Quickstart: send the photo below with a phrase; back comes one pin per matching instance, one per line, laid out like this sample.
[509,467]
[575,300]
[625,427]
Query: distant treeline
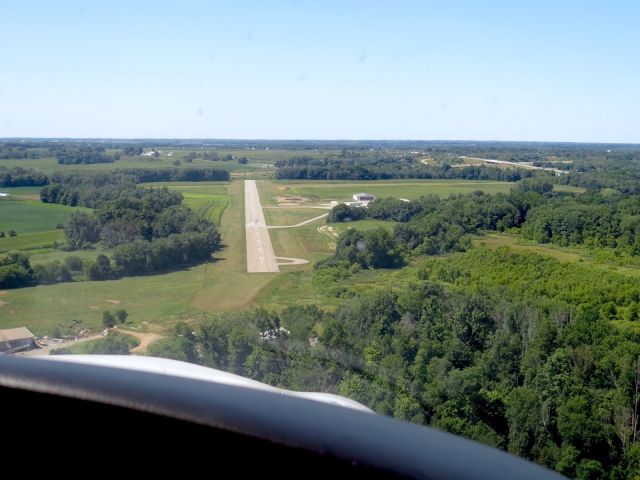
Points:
[21,177]
[83,154]
[91,190]
[28,177]
[381,166]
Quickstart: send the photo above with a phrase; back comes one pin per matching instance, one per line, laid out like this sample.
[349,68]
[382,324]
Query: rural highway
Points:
[260,254]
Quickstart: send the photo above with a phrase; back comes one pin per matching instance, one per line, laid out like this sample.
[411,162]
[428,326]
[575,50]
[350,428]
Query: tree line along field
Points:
[255,160]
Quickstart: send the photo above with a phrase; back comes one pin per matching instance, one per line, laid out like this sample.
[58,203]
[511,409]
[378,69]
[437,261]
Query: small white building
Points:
[364,197]
[16,339]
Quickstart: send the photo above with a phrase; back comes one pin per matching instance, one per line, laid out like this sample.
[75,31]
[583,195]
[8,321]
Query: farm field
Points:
[29,216]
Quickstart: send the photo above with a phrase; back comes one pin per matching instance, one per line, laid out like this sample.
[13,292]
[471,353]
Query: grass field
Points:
[48,255]
[563,254]
[32,242]
[156,299]
[30,193]
[29,216]
[291,216]
[343,190]
[569,189]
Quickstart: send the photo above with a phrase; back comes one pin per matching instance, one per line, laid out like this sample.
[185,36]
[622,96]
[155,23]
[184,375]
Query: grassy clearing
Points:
[46,256]
[293,288]
[29,193]
[32,242]
[285,216]
[563,254]
[158,299]
[207,206]
[363,225]
[301,242]
[28,216]
[93,346]
[569,189]
[324,192]
[208,199]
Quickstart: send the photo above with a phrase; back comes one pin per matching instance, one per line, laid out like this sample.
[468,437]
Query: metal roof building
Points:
[15,339]
[363,197]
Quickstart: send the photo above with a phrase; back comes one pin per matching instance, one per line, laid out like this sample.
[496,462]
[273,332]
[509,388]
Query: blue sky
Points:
[484,70]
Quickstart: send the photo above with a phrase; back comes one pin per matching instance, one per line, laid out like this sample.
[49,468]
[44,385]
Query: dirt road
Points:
[260,254]
[146,339]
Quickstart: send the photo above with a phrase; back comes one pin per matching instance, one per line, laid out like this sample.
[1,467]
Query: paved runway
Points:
[260,254]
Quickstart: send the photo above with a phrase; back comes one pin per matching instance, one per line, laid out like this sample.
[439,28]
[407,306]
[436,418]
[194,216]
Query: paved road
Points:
[260,254]
[557,171]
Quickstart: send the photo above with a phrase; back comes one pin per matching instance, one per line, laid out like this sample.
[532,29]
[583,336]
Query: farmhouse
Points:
[364,197]
[15,339]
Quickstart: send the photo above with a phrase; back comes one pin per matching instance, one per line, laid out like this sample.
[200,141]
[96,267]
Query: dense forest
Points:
[383,165]
[21,177]
[513,350]
[83,154]
[92,189]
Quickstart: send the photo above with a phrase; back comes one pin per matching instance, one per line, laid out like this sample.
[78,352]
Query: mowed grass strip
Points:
[325,191]
[227,285]
[286,216]
[207,206]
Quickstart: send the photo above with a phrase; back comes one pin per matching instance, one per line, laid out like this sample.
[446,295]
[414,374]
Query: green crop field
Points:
[28,216]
